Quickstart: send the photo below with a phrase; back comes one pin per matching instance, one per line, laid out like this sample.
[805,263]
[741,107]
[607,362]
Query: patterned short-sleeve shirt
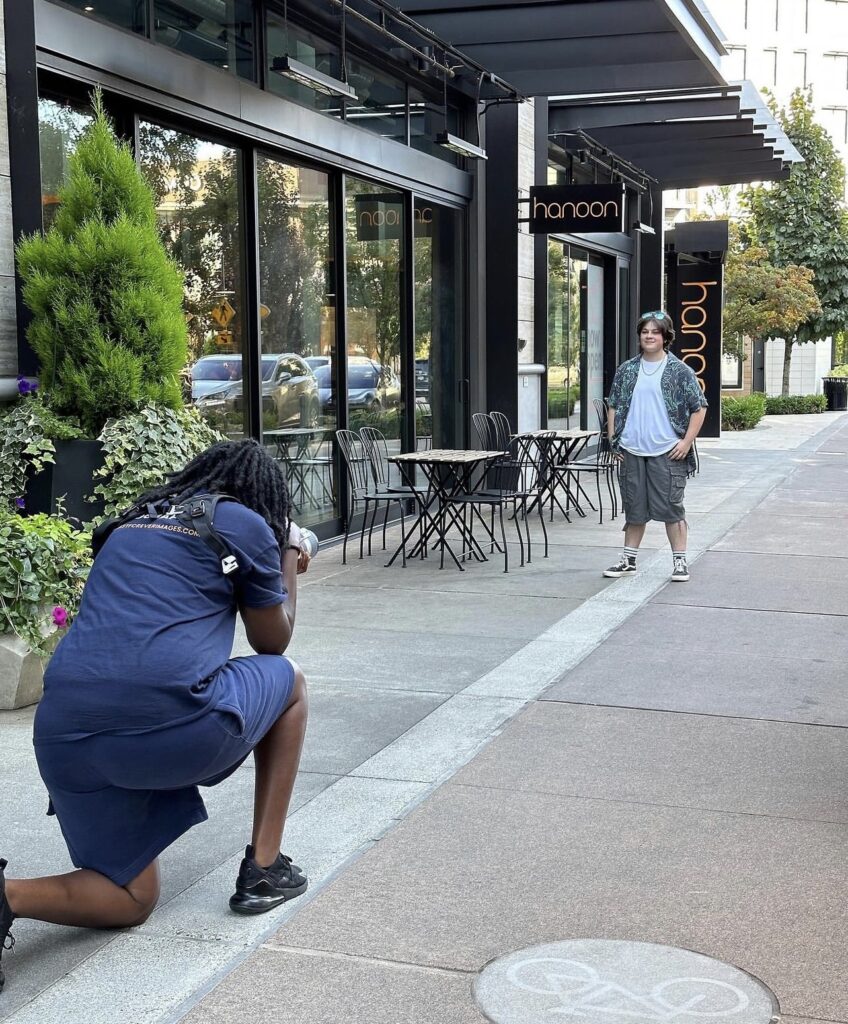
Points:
[680,390]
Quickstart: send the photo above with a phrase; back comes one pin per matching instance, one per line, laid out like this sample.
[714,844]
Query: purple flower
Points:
[20,503]
[60,616]
[26,387]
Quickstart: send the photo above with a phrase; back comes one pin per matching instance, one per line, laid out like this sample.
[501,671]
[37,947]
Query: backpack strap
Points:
[197,514]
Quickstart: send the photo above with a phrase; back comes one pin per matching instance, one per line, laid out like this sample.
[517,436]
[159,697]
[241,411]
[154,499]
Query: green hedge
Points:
[561,401]
[838,371]
[742,413]
[782,405]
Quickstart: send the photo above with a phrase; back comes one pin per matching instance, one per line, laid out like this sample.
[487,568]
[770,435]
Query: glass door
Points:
[439,318]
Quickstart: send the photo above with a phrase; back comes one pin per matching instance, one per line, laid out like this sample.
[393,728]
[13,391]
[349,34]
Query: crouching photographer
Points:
[143,703]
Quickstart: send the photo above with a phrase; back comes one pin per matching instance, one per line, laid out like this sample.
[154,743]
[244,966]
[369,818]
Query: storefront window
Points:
[60,125]
[129,14]
[437,231]
[563,335]
[218,32]
[375,231]
[298,323]
[380,106]
[287,40]
[196,187]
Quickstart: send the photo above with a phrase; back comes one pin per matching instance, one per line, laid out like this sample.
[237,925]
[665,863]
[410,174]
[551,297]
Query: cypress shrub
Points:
[108,326]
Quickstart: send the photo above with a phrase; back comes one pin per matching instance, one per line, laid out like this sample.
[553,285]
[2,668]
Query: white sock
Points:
[630,553]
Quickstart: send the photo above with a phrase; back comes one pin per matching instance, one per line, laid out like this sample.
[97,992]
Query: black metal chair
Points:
[503,431]
[486,432]
[520,476]
[601,464]
[362,490]
[377,450]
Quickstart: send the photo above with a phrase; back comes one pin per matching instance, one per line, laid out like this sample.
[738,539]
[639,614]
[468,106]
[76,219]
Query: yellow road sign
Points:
[222,313]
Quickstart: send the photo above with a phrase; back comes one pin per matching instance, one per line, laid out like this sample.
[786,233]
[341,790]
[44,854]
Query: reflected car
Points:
[422,378]
[289,387]
[315,361]
[369,385]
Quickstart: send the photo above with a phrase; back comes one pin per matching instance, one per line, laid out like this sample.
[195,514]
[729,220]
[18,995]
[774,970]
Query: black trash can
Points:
[836,393]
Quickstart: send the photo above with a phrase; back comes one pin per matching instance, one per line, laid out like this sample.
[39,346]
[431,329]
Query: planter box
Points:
[21,674]
[70,479]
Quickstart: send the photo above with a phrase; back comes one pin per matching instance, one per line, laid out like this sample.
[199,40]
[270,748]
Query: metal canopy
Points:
[684,139]
[549,47]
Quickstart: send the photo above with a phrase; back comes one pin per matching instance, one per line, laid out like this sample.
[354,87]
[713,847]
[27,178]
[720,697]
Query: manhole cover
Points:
[596,981]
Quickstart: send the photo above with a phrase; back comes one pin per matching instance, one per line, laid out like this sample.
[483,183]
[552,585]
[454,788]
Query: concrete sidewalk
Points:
[679,783]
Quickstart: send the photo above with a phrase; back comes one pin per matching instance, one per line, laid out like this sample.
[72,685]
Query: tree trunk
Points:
[787,365]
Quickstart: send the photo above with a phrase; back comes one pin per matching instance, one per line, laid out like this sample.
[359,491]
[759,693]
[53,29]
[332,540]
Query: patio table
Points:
[448,472]
[292,445]
[566,446]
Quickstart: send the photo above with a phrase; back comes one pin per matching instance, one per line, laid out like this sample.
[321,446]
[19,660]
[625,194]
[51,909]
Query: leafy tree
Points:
[802,221]
[762,300]
[195,185]
[107,326]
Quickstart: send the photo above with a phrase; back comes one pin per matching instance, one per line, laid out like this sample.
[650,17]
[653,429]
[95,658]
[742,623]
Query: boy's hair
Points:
[663,321]
[242,469]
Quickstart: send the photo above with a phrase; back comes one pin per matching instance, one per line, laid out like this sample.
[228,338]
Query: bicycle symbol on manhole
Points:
[581,991]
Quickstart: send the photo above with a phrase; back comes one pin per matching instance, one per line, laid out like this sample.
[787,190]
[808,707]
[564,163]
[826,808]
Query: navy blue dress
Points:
[142,702]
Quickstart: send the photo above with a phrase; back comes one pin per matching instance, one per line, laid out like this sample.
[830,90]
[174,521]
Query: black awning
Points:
[683,139]
[551,47]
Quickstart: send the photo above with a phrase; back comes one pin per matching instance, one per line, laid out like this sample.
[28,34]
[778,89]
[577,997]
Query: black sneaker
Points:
[261,889]
[623,567]
[7,940]
[680,572]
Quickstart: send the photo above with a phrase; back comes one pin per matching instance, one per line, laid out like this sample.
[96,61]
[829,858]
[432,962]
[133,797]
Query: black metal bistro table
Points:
[565,446]
[304,472]
[448,472]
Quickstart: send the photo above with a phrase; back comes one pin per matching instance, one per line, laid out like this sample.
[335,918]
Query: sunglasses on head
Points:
[658,314]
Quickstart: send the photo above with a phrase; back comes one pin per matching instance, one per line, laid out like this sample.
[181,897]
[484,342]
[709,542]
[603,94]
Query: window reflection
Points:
[129,14]
[60,125]
[288,40]
[218,32]
[298,327]
[427,118]
[373,260]
[566,274]
[196,186]
[437,232]
[381,103]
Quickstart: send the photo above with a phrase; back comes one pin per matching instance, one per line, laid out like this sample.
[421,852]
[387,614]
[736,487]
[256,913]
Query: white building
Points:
[782,45]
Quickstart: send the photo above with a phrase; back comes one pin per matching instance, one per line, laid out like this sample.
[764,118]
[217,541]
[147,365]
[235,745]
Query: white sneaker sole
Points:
[680,579]
[617,575]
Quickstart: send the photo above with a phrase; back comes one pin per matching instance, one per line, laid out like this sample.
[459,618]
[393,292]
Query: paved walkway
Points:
[667,766]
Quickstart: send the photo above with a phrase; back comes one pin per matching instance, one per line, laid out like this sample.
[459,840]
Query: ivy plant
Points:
[141,449]
[27,432]
[43,566]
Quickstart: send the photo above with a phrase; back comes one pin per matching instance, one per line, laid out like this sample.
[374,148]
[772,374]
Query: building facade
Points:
[346,194]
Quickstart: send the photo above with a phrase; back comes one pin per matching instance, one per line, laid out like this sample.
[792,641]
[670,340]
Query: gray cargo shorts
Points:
[652,487]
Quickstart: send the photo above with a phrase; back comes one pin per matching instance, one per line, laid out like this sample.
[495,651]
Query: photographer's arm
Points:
[269,630]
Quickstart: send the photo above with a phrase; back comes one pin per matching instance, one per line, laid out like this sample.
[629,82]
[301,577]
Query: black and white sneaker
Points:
[680,572]
[261,889]
[623,567]
[7,940]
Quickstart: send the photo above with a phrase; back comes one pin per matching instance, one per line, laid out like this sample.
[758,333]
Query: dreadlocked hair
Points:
[241,469]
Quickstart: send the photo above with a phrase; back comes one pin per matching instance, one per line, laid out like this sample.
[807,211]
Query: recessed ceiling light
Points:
[89,9]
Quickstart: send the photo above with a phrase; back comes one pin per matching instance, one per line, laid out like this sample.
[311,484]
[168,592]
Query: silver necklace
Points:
[652,372]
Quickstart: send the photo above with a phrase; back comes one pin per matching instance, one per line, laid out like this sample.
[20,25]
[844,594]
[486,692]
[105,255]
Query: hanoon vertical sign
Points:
[698,321]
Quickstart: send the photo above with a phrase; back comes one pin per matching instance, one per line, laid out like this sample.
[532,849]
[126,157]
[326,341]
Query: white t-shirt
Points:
[648,429]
